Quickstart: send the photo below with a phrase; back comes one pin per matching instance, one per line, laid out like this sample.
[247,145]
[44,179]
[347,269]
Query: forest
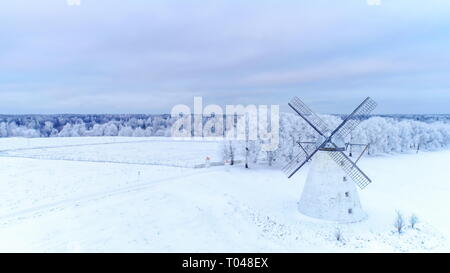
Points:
[384,133]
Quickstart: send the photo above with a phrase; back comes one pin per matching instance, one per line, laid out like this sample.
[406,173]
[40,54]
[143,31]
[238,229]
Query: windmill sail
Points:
[350,168]
[355,118]
[309,116]
[300,159]
[333,142]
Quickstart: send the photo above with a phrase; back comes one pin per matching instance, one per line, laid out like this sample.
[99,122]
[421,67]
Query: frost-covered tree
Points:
[148,131]
[97,130]
[231,149]
[66,131]
[110,129]
[47,129]
[399,222]
[25,132]
[3,129]
[413,220]
[139,132]
[126,131]
[386,134]
[75,130]
[78,130]
[338,234]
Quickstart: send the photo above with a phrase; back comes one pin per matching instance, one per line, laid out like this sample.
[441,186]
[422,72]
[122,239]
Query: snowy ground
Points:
[132,150]
[107,194]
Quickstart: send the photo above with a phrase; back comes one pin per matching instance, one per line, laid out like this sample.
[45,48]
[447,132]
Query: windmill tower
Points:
[330,192]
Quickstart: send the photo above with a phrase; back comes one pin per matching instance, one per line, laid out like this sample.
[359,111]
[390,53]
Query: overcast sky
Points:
[144,56]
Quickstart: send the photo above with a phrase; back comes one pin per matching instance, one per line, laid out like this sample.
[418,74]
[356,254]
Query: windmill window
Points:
[344,178]
[347,194]
[350,211]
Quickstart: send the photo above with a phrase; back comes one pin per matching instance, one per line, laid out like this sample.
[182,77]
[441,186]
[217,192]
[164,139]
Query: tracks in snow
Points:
[93,144]
[179,164]
[99,161]
[25,213]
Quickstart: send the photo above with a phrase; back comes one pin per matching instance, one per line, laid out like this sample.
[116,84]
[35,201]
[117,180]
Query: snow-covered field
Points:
[142,194]
[131,150]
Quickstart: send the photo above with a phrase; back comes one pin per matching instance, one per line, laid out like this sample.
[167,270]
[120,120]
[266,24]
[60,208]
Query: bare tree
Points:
[247,150]
[399,222]
[231,154]
[246,155]
[270,157]
[413,219]
[338,234]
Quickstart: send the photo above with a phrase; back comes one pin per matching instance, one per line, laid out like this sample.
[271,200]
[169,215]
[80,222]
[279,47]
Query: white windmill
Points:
[329,192]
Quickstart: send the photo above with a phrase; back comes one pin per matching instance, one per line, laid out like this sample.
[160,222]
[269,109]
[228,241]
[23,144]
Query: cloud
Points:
[109,56]
[333,70]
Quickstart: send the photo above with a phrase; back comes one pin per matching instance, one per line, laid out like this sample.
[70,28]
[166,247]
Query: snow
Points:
[15,143]
[49,204]
[149,150]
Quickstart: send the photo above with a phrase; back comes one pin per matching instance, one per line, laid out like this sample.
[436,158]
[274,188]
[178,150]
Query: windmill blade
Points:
[300,159]
[354,119]
[305,146]
[308,115]
[350,168]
